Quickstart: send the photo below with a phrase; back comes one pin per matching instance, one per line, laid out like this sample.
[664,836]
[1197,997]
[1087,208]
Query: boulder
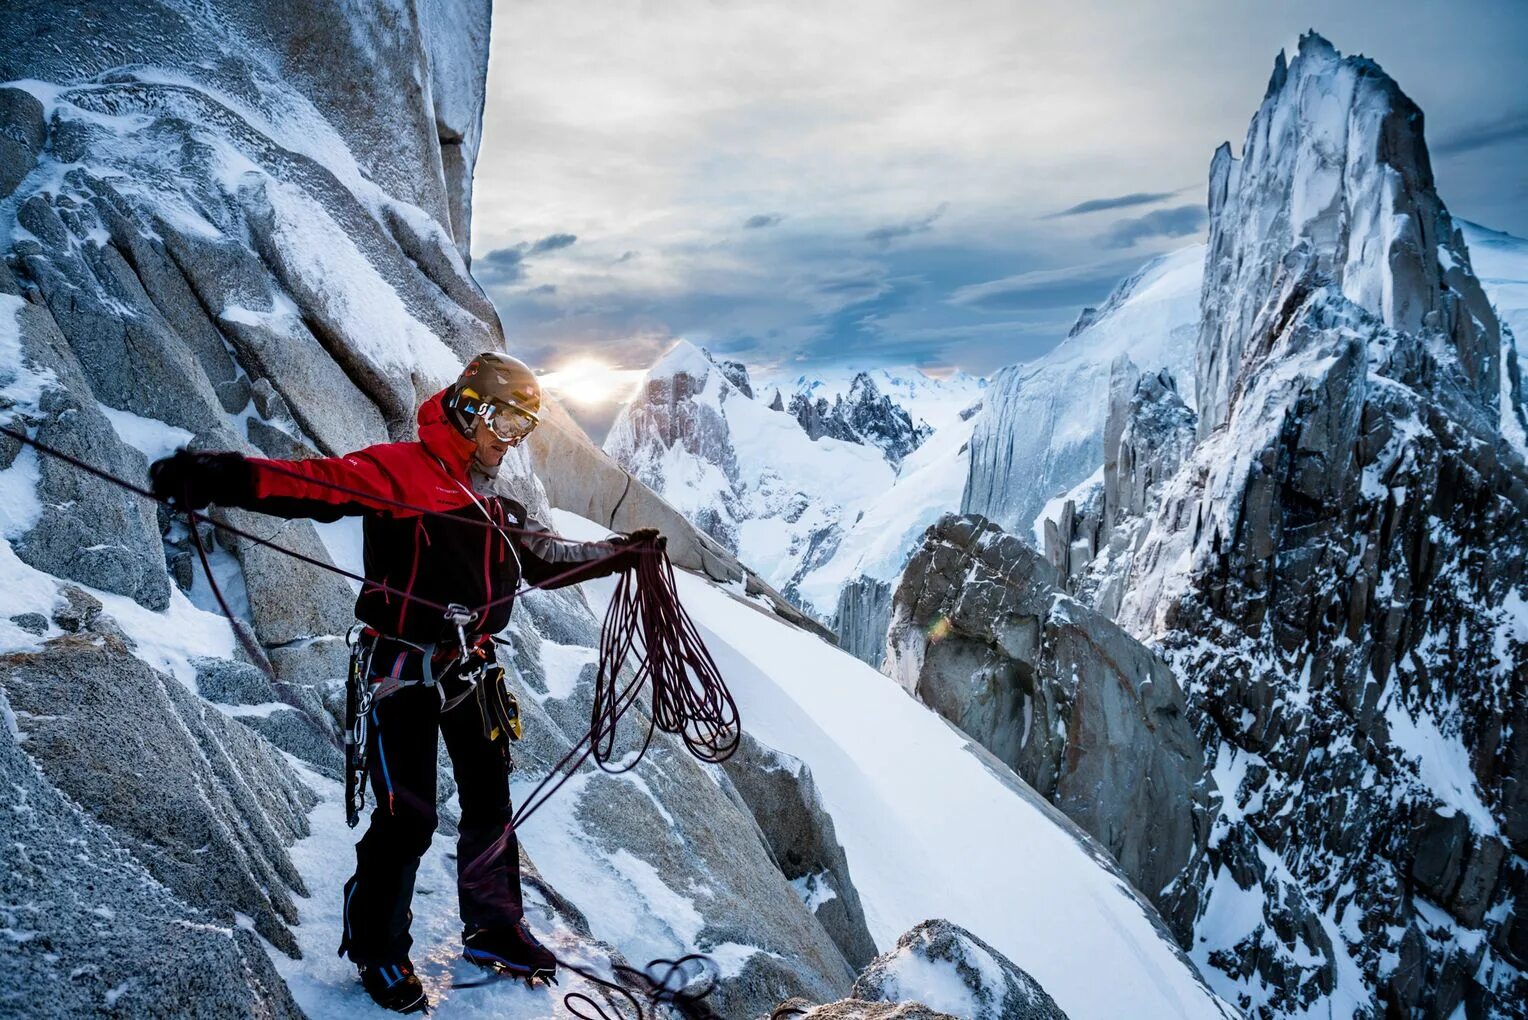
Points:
[206,805]
[1084,713]
[946,967]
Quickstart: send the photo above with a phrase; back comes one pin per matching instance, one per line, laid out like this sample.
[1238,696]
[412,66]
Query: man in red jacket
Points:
[469,552]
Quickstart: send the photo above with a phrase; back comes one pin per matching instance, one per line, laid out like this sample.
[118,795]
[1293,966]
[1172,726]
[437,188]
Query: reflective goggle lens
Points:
[509,422]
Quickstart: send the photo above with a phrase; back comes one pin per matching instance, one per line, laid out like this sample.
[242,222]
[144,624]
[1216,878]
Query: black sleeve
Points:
[550,561]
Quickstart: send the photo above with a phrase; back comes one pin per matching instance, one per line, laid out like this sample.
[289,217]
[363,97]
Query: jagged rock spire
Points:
[1334,185]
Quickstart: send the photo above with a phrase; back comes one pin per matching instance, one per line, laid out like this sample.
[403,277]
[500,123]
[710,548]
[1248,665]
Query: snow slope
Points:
[930,828]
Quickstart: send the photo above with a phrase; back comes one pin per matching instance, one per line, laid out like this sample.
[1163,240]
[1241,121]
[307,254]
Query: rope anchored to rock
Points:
[645,619]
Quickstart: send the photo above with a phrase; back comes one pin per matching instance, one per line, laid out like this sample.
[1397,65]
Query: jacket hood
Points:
[442,438]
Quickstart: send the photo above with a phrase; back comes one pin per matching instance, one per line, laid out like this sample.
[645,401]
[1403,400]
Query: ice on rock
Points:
[1041,428]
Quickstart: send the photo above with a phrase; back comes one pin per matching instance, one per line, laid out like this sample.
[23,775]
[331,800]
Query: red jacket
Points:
[457,558]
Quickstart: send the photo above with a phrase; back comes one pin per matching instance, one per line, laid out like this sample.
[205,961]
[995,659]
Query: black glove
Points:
[193,478]
[642,536]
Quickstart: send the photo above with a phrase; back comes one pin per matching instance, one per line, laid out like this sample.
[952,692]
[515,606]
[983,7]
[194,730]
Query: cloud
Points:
[504,266]
[500,266]
[1179,221]
[884,235]
[1117,202]
[1483,134]
[552,242]
[761,220]
[1069,286]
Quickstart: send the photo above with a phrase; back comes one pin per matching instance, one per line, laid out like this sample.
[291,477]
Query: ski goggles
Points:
[506,421]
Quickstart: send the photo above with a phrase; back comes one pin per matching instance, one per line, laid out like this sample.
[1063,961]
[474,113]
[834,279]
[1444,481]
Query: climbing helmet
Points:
[499,389]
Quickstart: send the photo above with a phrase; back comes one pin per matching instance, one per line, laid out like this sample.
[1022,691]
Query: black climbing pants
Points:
[401,748]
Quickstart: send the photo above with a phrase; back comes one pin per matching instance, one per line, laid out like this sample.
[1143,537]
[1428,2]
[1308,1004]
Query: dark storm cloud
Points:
[1179,221]
[500,266]
[552,242]
[1117,202]
[1483,135]
[760,220]
[504,266]
[884,235]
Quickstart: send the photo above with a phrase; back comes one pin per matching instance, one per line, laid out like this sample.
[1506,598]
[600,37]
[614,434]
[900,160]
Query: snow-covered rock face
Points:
[945,967]
[240,227]
[864,416]
[1092,536]
[1040,431]
[1336,571]
[1334,182]
[1086,715]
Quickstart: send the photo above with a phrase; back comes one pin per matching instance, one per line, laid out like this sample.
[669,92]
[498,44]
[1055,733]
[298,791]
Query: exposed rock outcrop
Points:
[1337,571]
[206,806]
[81,915]
[936,970]
[861,619]
[1086,715]
[779,791]
[865,416]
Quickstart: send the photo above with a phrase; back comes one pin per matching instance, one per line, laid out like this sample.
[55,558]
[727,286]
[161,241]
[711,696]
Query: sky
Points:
[810,185]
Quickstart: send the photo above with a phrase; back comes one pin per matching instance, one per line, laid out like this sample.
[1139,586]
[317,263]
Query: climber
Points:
[418,668]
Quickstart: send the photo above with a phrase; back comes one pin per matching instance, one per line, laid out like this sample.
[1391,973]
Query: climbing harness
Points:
[645,618]
[381,665]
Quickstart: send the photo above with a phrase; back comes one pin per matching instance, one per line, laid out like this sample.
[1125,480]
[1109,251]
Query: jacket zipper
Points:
[408,589]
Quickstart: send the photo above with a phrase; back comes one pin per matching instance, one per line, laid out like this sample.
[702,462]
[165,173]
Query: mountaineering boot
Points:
[394,986]
[511,951]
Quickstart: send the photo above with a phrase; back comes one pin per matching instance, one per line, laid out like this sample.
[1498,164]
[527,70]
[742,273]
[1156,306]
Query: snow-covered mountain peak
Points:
[1334,188]
[684,358]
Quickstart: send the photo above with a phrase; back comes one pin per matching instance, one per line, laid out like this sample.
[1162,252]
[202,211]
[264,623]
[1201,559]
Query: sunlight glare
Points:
[589,381]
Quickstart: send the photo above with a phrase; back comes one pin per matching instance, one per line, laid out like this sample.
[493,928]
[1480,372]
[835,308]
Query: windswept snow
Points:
[1041,428]
[930,828]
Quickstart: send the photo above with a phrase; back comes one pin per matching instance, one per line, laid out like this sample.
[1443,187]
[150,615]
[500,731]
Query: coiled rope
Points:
[689,697]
